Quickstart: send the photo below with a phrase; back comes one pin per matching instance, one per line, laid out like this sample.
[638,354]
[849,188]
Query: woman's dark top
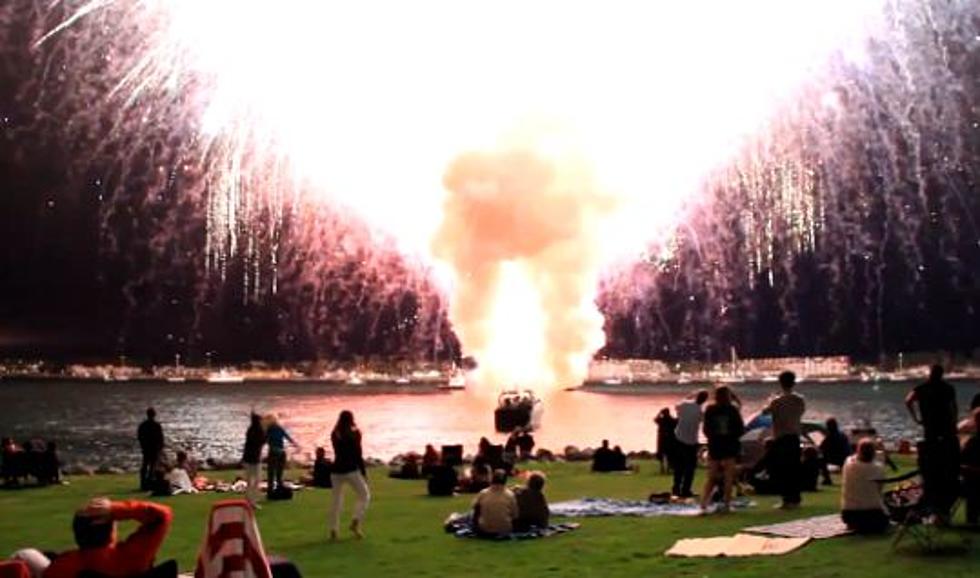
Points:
[347,456]
[835,448]
[724,428]
[254,440]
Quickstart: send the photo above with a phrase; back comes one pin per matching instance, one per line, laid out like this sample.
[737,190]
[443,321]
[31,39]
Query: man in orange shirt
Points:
[98,550]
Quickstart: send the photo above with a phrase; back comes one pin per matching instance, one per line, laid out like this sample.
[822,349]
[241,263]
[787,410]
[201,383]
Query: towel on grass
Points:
[461,526]
[594,507]
[817,527]
[739,545]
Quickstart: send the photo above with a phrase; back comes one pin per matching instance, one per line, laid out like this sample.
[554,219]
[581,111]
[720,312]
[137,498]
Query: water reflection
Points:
[96,423]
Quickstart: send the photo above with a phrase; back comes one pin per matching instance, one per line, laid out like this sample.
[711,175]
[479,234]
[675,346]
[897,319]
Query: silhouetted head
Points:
[499,478]
[256,420]
[151,413]
[52,447]
[701,397]
[723,395]
[345,422]
[618,450]
[321,453]
[181,458]
[787,380]
[866,450]
[605,444]
[936,373]
[832,427]
[93,530]
[536,481]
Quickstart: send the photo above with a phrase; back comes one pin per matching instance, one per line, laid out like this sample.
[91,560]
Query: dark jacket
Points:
[150,435]
[347,456]
[254,440]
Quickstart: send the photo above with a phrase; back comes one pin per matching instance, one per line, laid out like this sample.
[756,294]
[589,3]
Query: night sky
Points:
[84,275]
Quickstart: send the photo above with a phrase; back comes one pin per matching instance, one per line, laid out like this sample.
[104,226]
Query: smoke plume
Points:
[520,231]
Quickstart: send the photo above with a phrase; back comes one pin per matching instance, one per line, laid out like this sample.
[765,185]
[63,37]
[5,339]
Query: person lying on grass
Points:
[98,550]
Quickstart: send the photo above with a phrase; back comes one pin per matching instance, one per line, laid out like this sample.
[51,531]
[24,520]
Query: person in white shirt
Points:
[862,508]
[686,446]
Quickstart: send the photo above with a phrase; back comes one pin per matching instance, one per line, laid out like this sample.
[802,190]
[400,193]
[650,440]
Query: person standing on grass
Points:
[276,436]
[939,451]
[723,426]
[787,411]
[686,443]
[348,469]
[666,424]
[150,436]
[252,458]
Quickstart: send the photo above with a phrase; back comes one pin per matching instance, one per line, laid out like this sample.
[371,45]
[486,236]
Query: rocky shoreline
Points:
[569,454]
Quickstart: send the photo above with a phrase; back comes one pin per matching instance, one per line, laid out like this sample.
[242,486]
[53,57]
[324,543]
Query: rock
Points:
[79,470]
[544,455]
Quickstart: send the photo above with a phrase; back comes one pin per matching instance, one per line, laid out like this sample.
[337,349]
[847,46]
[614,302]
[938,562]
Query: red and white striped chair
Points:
[232,545]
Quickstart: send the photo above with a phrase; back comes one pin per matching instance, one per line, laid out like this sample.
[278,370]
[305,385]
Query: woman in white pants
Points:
[348,469]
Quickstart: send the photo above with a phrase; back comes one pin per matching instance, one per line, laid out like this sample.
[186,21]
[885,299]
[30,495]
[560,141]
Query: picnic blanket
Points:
[817,527]
[739,545]
[595,507]
[461,526]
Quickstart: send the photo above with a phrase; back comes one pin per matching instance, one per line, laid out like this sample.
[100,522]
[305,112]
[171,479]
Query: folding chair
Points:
[232,546]
[915,518]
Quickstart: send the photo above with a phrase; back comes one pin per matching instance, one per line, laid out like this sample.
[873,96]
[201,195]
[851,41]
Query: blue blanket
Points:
[594,507]
[461,526]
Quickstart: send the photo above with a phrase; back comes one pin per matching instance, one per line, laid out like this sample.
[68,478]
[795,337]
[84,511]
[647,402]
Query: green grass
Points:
[405,537]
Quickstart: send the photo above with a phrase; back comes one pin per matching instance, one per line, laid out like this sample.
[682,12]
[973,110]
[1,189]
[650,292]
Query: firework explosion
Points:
[307,139]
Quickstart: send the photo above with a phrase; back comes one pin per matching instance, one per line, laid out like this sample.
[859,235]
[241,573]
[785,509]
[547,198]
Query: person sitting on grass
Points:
[181,477]
[532,506]
[495,508]
[862,508]
[98,551]
[835,447]
[321,469]
[970,465]
[811,467]
[430,460]
[603,458]
[478,480]
[525,444]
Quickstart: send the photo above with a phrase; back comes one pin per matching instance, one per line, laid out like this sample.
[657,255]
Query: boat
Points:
[354,379]
[176,379]
[517,409]
[225,377]
[456,381]
[403,381]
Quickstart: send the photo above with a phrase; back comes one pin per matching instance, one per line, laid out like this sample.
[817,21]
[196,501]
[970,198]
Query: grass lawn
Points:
[405,537]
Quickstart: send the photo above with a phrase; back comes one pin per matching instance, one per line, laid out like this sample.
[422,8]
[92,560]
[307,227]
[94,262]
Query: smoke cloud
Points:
[520,231]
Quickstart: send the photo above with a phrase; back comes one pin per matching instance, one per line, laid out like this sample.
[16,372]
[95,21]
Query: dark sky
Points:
[895,266]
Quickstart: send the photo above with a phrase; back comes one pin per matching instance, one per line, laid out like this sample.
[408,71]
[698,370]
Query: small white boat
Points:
[225,377]
[176,379]
[403,381]
[456,381]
